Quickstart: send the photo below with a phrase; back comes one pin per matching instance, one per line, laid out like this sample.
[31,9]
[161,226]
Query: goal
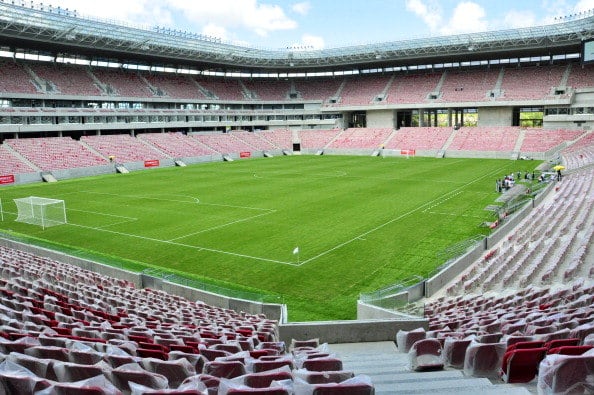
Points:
[41,211]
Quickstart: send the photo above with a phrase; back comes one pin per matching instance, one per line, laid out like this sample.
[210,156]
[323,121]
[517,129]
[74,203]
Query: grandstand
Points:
[64,326]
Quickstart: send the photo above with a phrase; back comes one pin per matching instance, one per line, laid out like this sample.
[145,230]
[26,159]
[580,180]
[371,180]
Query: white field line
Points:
[194,200]
[222,226]
[183,245]
[105,214]
[404,215]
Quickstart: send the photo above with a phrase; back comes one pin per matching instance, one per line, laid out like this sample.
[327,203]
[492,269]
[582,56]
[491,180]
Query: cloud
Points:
[516,19]
[140,12]
[301,8]
[256,17]
[429,12]
[467,17]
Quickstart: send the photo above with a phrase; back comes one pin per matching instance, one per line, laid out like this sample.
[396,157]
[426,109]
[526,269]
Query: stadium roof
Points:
[58,31]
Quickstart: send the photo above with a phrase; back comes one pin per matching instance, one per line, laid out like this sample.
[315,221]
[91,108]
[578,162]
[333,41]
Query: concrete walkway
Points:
[390,374]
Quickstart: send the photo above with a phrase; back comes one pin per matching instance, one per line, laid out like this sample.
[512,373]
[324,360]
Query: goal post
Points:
[41,211]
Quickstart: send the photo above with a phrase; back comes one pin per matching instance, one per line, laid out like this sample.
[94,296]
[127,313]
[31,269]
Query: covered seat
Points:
[426,354]
[521,365]
[565,374]
[405,339]
[454,351]
[484,359]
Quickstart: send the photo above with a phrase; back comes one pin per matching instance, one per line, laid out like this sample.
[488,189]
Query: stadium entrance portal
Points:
[403,119]
[357,120]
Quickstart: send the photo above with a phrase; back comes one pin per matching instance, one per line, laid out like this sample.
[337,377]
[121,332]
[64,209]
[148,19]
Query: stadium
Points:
[180,214]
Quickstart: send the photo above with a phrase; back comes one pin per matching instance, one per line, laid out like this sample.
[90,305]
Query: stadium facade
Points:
[71,76]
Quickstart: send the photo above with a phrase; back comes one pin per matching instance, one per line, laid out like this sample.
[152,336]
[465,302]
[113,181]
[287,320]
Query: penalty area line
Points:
[222,226]
[183,245]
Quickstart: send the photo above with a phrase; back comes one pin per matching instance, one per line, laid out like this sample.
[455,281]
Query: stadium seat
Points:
[405,339]
[565,374]
[454,351]
[426,354]
[520,365]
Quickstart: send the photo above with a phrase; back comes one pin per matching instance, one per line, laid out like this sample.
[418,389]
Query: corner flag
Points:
[296,251]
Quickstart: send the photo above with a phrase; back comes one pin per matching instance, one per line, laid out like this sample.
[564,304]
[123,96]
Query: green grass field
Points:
[360,223]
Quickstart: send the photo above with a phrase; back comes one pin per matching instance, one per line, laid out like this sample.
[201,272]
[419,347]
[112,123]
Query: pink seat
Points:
[176,371]
[264,379]
[570,350]
[521,365]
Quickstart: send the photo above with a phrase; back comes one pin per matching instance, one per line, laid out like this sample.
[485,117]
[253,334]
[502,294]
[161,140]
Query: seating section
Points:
[123,147]
[317,139]
[279,138]
[581,76]
[222,89]
[11,164]
[468,86]
[175,86]
[422,138]
[319,89]
[123,83]
[362,90]
[67,79]
[56,153]
[223,143]
[14,78]
[254,140]
[272,90]
[176,145]
[361,138]
[530,83]
[485,139]
[91,330]
[539,140]
[412,88]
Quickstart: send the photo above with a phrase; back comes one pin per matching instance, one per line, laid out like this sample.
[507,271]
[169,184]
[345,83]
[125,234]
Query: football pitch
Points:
[314,230]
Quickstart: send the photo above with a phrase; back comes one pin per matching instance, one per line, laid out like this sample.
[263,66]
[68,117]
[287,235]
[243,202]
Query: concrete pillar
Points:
[421,117]
[449,117]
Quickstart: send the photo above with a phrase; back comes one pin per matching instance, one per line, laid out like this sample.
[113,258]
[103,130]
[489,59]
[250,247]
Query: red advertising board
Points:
[407,152]
[8,179]
[245,154]
[151,163]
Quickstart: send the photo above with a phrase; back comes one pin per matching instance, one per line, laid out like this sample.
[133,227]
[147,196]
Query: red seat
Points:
[525,345]
[264,379]
[454,351]
[521,365]
[565,374]
[570,350]
[562,342]
[224,369]
[322,364]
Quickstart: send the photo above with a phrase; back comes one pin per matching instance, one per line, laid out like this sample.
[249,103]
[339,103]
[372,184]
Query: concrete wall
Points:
[349,331]
[381,118]
[83,172]
[24,178]
[495,116]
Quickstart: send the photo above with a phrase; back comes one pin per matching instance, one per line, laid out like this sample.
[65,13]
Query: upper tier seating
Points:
[412,88]
[530,83]
[176,145]
[14,78]
[123,147]
[56,153]
[468,86]
[222,89]
[176,86]
[124,83]
[67,79]
[272,90]
[320,89]
[581,76]
[362,90]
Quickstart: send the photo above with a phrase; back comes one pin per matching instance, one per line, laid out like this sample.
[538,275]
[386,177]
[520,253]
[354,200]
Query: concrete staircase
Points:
[390,373]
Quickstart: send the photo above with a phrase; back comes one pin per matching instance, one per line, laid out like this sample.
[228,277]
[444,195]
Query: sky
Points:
[319,24]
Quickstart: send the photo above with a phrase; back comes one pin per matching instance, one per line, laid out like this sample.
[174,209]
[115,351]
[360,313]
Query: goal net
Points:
[41,211]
